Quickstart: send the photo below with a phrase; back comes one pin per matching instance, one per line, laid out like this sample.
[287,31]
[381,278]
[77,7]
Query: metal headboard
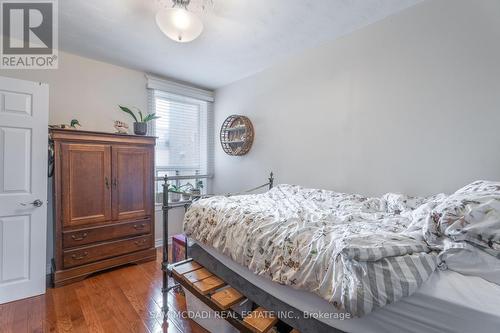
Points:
[166,206]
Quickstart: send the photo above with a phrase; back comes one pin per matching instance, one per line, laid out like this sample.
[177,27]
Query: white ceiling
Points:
[241,37]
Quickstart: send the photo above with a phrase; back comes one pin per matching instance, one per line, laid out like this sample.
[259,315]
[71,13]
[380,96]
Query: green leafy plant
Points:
[141,118]
[179,188]
[174,188]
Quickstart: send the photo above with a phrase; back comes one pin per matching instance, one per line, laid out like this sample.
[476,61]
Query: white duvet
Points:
[358,253]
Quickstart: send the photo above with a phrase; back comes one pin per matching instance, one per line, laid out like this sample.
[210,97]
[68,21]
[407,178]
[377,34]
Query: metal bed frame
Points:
[286,313]
[166,206]
[297,320]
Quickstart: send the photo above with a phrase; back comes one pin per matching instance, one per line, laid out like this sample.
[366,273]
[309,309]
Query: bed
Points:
[447,302]
[384,264]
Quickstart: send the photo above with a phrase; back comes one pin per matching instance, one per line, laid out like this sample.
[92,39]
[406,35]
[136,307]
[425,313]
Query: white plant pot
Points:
[174,197]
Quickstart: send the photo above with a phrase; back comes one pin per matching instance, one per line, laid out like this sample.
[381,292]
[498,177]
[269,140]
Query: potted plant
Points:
[174,193]
[180,191]
[186,193]
[140,124]
[196,191]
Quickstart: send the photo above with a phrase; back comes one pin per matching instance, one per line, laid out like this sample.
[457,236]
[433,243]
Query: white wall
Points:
[90,91]
[409,104]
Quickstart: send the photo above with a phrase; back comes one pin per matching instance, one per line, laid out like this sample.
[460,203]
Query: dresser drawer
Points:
[84,255]
[81,237]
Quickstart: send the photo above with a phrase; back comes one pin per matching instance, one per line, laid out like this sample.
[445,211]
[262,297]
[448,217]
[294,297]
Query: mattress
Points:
[447,302]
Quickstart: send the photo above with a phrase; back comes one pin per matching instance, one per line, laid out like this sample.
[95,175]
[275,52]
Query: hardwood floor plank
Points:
[103,300]
[50,319]
[139,295]
[152,276]
[63,320]
[73,306]
[91,317]
[121,307]
[35,314]
[20,324]
[7,316]
[127,299]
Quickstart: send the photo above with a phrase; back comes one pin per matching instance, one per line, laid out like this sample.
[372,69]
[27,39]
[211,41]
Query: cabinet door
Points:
[86,184]
[132,182]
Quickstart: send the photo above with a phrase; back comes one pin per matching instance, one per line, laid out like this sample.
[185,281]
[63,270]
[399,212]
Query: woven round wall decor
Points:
[236,135]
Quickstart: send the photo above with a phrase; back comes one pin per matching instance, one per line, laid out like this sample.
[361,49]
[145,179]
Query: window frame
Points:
[205,131]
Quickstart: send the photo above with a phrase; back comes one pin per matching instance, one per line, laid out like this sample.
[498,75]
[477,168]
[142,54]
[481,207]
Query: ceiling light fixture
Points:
[178,23]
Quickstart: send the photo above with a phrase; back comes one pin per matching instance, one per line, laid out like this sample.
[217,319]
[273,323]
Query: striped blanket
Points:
[358,253]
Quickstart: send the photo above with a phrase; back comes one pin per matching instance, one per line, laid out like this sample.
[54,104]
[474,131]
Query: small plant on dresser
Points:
[141,123]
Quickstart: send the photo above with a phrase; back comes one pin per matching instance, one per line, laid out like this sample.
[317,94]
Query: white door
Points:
[23,188]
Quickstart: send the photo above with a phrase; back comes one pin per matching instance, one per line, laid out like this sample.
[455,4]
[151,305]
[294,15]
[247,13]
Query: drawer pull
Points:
[139,226]
[79,237]
[140,242]
[79,256]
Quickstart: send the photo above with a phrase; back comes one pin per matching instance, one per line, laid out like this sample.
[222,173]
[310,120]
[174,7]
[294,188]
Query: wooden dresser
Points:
[103,202]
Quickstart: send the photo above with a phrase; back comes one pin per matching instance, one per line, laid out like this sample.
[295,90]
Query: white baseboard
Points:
[159,242]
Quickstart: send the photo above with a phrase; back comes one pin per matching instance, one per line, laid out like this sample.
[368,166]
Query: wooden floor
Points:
[127,299]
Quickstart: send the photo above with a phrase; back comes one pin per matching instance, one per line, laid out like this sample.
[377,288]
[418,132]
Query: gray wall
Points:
[409,104]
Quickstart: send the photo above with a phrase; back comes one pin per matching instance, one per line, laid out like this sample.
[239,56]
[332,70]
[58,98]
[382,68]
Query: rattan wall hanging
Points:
[236,135]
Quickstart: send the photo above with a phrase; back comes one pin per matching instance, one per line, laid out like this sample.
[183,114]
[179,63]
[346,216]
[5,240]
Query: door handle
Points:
[36,203]
[106,181]
[114,183]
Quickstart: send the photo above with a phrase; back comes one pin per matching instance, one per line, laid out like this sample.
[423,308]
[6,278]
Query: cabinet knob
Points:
[79,256]
[140,242]
[79,237]
[139,226]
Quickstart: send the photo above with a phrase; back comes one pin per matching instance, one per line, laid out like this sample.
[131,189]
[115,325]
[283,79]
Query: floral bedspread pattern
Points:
[359,253]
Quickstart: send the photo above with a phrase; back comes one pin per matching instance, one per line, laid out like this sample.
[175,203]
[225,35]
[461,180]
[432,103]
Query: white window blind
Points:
[184,131]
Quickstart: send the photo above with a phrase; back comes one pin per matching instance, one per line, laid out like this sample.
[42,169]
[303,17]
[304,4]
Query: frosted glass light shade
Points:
[179,24]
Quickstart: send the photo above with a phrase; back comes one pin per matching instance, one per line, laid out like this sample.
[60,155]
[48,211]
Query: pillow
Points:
[471,214]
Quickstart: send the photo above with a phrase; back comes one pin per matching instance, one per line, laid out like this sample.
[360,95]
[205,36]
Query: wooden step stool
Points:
[214,292]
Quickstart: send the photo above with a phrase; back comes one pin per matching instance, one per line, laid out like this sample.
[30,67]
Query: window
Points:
[184,131]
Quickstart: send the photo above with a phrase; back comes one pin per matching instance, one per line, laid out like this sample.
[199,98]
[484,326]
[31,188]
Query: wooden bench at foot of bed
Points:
[215,293]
